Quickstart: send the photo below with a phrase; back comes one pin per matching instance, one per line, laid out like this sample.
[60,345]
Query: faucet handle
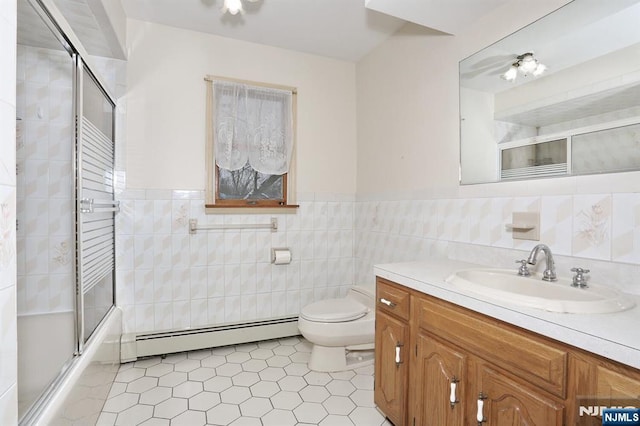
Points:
[579,280]
[524,270]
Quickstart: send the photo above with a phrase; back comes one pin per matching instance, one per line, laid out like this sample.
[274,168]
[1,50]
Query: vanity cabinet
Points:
[391,357]
[459,366]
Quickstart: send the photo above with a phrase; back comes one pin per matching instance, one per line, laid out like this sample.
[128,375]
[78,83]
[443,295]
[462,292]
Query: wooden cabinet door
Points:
[508,403]
[391,367]
[438,366]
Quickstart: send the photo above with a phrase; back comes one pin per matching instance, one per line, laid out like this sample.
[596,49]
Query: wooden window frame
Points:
[212,200]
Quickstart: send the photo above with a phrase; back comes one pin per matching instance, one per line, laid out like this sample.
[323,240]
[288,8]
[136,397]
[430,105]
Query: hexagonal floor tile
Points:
[284,350]
[296,369]
[155,396]
[134,415]
[261,353]
[213,361]
[170,408]
[304,346]
[268,344]
[190,418]
[278,361]
[365,416]
[316,378]
[147,362]
[286,400]
[339,405]
[223,350]
[246,378]
[292,383]
[279,418]
[187,365]
[256,407]
[228,369]
[121,402]
[201,354]
[201,374]
[314,393]
[301,357]
[174,358]
[172,379]
[218,384]
[246,347]
[363,398]
[340,387]
[265,389]
[343,375]
[238,357]
[310,412]
[187,389]
[235,395]
[142,384]
[223,414]
[254,365]
[292,341]
[272,374]
[246,421]
[154,421]
[362,382]
[159,370]
[336,420]
[129,375]
[204,401]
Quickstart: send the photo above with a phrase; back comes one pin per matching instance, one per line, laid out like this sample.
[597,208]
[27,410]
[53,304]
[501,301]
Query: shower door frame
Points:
[61,30]
[81,70]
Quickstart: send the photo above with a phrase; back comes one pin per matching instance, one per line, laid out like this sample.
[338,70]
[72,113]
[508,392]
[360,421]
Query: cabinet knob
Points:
[480,414]
[398,360]
[389,303]
[452,396]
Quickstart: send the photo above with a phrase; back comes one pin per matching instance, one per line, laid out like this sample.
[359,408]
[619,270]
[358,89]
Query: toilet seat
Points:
[334,310]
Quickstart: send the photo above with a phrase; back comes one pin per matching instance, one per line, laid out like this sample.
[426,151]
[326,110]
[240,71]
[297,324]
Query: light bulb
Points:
[539,70]
[511,73]
[233,6]
[528,64]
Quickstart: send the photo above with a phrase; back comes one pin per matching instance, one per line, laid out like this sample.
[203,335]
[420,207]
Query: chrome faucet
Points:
[549,273]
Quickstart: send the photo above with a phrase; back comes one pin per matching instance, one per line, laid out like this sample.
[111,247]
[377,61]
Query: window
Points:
[250,144]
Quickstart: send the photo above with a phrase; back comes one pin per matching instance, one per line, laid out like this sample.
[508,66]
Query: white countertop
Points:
[615,336]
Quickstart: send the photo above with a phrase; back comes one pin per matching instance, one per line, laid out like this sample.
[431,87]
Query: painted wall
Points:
[410,205]
[171,279]
[166,107]
[8,335]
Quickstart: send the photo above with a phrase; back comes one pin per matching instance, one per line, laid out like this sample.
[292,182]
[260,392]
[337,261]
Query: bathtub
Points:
[78,394]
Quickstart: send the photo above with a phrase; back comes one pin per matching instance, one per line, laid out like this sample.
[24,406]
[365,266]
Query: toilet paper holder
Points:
[280,256]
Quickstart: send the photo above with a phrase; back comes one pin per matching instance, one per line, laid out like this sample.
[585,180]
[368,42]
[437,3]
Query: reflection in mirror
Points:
[584,101]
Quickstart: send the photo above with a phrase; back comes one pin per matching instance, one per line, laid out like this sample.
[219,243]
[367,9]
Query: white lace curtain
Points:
[252,124]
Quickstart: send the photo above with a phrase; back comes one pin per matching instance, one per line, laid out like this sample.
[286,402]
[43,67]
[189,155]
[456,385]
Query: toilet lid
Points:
[334,310]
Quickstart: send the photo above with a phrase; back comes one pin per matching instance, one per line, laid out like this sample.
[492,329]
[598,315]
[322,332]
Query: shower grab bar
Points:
[88,205]
[193,226]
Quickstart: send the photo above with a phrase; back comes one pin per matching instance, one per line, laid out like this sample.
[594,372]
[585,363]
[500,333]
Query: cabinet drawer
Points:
[391,298]
[526,356]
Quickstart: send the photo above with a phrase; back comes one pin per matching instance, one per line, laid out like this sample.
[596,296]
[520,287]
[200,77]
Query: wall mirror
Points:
[559,97]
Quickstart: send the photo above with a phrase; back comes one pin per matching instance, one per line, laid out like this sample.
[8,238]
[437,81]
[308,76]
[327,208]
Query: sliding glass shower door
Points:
[65,203]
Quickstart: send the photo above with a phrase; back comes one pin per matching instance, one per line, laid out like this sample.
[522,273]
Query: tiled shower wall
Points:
[44,137]
[171,279]
[8,335]
[596,231]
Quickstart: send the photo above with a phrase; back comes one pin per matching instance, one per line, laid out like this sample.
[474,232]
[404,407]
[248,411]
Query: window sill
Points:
[217,209]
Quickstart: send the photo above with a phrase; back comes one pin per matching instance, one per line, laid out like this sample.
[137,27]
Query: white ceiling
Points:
[449,16]
[341,29]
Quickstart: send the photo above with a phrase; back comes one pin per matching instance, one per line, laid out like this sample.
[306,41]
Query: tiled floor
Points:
[261,384]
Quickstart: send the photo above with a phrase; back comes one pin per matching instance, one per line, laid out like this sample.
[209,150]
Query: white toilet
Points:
[341,331]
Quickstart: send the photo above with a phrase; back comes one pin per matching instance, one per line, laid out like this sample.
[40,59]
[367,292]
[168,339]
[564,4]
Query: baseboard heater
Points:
[134,346]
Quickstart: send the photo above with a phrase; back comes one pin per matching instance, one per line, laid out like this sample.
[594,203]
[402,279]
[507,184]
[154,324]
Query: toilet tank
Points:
[364,295]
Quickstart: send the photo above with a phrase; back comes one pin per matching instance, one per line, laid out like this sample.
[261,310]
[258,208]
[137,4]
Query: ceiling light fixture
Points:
[234,6]
[525,64]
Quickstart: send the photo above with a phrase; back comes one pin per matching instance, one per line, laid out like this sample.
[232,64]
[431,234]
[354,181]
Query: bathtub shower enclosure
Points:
[65,203]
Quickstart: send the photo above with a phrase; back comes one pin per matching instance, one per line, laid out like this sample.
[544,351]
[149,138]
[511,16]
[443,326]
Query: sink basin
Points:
[507,286]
